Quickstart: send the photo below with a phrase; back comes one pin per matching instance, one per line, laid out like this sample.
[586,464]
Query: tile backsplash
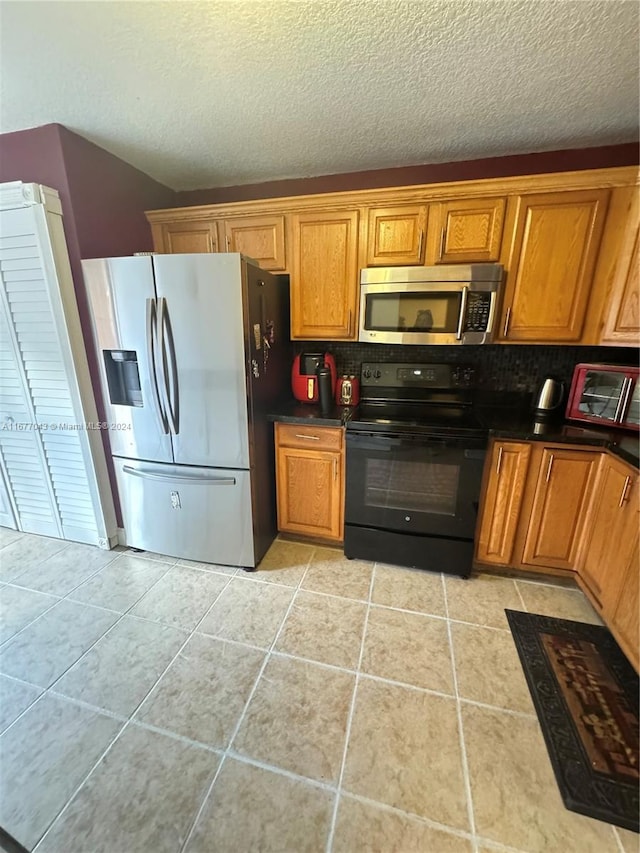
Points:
[499,367]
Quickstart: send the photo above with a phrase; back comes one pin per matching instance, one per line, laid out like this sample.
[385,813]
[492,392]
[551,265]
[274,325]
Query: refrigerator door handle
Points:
[152,346]
[157,475]
[169,367]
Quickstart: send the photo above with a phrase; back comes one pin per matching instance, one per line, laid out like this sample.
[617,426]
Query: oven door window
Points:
[413,486]
[413,312]
[400,484]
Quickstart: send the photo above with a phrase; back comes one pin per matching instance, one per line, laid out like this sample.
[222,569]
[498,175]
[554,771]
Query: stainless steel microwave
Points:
[430,305]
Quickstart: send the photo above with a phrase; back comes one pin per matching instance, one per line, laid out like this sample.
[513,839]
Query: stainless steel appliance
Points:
[194,351]
[415,455]
[430,305]
[348,391]
[607,394]
[549,398]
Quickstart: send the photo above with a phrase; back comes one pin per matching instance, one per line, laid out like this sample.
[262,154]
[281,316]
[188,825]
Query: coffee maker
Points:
[304,378]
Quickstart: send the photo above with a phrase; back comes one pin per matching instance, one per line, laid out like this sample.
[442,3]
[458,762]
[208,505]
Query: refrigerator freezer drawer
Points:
[193,513]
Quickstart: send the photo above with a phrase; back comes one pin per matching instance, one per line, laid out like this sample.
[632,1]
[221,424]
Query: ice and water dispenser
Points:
[123,377]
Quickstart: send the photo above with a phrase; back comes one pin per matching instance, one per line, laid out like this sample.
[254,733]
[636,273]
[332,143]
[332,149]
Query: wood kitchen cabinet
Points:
[396,235]
[558,515]
[467,230]
[623,621]
[259,237]
[551,265]
[324,275]
[622,324]
[503,493]
[310,481]
[568,243]
[608,571]
[534,506]
[556,509]
[186,237]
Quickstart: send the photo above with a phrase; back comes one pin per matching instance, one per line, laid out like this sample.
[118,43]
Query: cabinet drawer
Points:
[310,438]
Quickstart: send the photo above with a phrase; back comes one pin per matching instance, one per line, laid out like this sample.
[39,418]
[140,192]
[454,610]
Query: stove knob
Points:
[377,374]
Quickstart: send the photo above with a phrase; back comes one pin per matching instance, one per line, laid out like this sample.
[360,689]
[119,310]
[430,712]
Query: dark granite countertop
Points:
[293,412]
[514,419]
[507,416]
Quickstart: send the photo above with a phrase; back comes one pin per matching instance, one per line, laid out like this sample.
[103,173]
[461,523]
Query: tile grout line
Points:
[35,619]
[127,612]
[427,821]
[65,597]
[129,720]
[228,748]
[463,749]
[616,835]
[520,596]
[280,771]
[334,816]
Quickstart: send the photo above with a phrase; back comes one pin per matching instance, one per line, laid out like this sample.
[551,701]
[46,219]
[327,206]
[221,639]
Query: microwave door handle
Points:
[621,408]
[463,312]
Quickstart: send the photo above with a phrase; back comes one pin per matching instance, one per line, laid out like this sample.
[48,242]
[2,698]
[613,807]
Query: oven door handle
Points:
[369,442]
[384,441]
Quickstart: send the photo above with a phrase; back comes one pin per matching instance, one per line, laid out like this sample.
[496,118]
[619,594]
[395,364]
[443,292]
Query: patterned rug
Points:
[586,696]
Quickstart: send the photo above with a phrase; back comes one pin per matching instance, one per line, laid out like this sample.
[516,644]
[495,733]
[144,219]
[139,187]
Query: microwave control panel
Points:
[477,312]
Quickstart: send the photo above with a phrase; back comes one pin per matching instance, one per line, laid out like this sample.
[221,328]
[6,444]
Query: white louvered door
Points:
[47,453]
[20,444]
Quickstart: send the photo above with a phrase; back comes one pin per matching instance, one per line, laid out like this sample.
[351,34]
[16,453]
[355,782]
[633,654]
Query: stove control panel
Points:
[403,375]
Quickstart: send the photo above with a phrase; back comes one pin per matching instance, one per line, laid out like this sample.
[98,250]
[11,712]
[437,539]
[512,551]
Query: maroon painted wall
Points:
[466,170]
[109,198]
[103,203]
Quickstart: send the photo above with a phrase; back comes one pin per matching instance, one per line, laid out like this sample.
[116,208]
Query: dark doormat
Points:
[586,696]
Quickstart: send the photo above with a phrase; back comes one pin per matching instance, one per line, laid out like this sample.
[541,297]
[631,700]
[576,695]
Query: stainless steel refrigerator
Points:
[193,352]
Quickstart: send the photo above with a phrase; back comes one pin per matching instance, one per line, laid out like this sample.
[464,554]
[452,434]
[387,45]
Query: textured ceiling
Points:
[201,94]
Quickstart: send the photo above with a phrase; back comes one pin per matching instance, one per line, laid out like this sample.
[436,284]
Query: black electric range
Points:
[415,454]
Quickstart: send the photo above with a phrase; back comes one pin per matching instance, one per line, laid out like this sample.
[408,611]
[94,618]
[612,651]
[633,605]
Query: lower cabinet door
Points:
[610,535]
[561,501]
[624,620]
[309,485]
[504,489]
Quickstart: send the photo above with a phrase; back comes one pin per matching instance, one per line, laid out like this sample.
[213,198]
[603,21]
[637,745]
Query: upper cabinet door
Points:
[551,265]
[622,325]
[324,275]
[260,238]
[180,238]
[469,230]
[396,235]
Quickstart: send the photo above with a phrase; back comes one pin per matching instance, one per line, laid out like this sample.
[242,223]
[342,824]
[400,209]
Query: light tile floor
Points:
[319,704]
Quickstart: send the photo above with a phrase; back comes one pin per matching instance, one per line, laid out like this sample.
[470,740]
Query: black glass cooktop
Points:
[423,418]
